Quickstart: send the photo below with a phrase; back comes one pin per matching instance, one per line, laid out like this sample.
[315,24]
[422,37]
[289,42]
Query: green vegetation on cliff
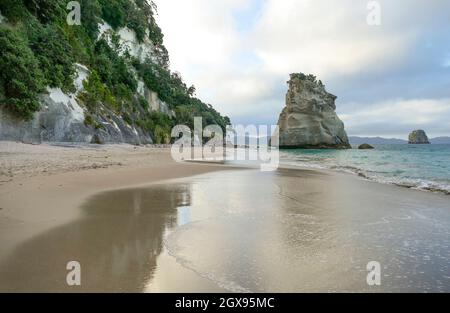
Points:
[40,49]
[20,75]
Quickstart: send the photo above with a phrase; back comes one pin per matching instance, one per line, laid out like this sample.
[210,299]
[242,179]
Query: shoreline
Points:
[357,173]
[80,171]
[37,204]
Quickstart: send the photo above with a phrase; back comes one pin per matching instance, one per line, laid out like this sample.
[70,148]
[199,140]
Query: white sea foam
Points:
[367,171]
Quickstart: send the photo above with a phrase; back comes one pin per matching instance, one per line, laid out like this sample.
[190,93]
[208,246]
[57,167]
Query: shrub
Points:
[161,135]
[20,76]
[55,56]
[114,12]
[13,10]
[95,92]
[47,10]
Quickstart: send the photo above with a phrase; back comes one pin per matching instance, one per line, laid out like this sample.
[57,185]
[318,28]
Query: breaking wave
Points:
[425,168]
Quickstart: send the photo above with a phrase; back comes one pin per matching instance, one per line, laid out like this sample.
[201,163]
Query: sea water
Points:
[424,167]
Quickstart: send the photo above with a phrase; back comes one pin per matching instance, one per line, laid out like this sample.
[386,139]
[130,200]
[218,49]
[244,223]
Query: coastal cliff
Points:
[309,119]
[106,80]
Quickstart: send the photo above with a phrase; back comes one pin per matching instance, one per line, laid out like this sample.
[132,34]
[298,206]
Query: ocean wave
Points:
[411,183]
[424,185]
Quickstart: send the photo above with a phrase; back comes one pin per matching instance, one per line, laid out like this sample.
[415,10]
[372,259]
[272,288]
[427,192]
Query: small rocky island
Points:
[418,137]
[309,119]
[366,146]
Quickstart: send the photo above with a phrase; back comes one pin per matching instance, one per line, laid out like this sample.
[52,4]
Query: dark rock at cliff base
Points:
[365,146]
[97,140]
[418,137]
[309,119]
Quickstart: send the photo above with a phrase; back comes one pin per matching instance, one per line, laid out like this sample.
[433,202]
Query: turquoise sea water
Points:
[425,167]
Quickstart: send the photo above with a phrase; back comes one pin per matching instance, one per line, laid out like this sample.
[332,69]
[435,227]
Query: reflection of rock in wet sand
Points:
[116,242]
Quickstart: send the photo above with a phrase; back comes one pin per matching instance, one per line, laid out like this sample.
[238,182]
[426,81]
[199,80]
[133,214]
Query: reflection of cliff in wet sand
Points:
[45,221]
[116,242]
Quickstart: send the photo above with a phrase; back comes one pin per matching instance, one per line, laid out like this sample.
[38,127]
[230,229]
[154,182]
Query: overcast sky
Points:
[389,79]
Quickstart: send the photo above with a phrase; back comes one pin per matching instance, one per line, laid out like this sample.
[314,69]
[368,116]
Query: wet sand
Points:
[235,230]
[43,187]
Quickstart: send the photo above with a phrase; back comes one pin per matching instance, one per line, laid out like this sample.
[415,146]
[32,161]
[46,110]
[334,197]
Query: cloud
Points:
[198,32]
[327,38]
[239,53]
[399,117]
[205,46]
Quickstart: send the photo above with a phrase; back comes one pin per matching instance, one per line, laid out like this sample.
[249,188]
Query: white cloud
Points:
[203,44]
[198,32]
[398,117]
[243,73]
[326,38]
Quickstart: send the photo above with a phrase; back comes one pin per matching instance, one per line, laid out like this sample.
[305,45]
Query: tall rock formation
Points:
[418,137]
[309,119]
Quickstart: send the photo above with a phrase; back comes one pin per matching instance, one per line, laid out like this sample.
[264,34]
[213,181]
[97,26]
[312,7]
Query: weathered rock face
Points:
[62,119]
[128,43]
[154,102]
[418,137]
[309,119]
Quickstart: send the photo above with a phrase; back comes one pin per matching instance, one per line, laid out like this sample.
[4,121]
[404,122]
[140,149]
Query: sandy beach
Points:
[42,186]
[139,222]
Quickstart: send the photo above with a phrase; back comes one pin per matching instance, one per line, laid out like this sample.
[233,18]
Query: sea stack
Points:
[418,137]
[309,119]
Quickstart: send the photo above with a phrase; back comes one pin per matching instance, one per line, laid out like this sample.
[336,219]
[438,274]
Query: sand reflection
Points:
[117,242]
